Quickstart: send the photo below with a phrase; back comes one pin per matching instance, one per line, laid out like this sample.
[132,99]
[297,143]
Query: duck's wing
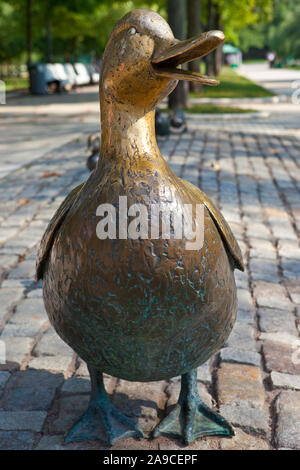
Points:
[52,229]
[223,228]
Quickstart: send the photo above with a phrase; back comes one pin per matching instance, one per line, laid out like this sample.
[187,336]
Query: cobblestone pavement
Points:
[252,171]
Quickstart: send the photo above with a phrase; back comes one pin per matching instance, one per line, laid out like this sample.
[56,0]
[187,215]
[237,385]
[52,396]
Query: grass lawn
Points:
[14,83]
[215,109]
[232,85]
[255,61]
[293,67]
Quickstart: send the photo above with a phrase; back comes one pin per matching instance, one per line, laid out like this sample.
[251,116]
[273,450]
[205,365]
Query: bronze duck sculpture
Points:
[140,308]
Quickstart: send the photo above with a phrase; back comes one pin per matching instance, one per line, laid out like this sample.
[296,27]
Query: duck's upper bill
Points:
[168,59]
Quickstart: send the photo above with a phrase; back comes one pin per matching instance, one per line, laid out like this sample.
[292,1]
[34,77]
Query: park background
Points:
[241,147]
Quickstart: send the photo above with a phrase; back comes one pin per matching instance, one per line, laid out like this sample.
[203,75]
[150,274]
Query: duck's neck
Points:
[126,132]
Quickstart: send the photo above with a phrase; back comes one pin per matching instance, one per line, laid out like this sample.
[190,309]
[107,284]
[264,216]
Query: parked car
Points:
[83,77]
[94,74]
[71,74]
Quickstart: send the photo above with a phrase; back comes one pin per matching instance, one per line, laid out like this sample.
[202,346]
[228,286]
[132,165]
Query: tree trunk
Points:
[214,59]
[218,60]
[218,54]
[28,32]
[209,59]
[176,18]
[194,28]
[49,54]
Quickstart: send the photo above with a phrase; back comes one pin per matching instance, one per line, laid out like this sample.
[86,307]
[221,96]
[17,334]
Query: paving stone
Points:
[51,344]
[4,376]
[6,261]
[273,321]
[260,248]
[252,420]
[280,380]
[30,329]
[241,356]
[258,230]
[16,440]
[289,249]
[295,297]
[170,443]
[241,337]
[288,420]
[7,232]
[27,320]
[293,286]
[54,442]
[35,293]
[265,276]
[142,401]
[33,308]
[76,385]
[245,317]
[243,441]
[82,370]
[283,338]
[271,295]
[244,300]
[241,279]
[8,297]
[281,357]
[203,373]
[240,384]
[70,410]
[264,270]
[291,268]
[25,270]
[22,420]
[15,283]
[17,348]
[31,390]
[51,363]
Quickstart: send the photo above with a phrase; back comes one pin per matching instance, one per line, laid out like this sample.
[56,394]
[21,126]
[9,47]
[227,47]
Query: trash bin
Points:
[37,77]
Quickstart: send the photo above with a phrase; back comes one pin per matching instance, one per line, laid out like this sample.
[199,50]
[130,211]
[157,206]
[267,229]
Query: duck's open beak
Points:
[167,60]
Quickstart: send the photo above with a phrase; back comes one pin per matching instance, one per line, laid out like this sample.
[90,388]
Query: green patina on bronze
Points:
[146,309]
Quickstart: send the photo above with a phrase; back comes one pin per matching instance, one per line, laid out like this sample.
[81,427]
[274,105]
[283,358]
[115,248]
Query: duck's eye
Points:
[132,31]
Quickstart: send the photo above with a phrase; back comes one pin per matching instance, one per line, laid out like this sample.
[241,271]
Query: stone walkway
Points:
[252,171]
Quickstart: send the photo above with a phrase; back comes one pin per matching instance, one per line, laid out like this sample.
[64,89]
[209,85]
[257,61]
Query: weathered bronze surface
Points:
[145,309]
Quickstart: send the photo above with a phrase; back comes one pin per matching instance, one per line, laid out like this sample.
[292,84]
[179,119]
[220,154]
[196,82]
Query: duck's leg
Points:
[102,421]
[191,418]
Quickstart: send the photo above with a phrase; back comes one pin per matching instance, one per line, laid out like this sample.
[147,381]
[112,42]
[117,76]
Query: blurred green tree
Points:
[231,17]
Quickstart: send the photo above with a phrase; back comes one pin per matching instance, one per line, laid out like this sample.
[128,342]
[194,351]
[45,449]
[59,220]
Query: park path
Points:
[33,125]
[277,80]
[251,169]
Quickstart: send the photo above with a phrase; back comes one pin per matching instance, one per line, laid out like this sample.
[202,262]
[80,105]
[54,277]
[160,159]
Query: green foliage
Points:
[78,27]
[16,83]
[215,109]
[237,14]
[280,33]
[283,33]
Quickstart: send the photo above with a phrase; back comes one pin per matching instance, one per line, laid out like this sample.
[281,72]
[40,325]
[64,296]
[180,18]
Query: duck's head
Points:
[142,60]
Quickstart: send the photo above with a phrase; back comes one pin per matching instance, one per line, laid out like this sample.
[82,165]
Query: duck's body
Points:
[141,306]
[139,309]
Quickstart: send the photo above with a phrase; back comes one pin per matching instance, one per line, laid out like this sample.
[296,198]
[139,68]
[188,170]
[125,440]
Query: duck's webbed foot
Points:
[102,421]
[191,418]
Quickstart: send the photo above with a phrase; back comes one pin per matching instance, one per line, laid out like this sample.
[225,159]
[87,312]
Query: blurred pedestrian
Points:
[271,59]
